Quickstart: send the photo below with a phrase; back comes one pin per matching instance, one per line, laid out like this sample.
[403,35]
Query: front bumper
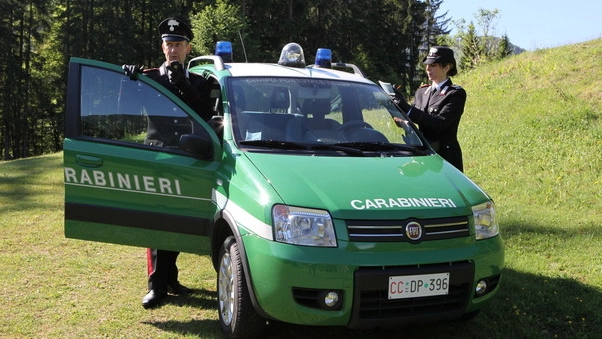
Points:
[289,281]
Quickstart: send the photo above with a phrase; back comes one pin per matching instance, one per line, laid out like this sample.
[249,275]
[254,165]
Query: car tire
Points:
[237,317]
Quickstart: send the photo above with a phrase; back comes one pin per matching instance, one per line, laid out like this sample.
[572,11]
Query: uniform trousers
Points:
[162,269]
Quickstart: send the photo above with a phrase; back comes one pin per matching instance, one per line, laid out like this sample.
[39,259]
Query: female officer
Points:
[438,107]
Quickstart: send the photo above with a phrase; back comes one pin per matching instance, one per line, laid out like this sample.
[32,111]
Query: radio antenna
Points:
[243,46]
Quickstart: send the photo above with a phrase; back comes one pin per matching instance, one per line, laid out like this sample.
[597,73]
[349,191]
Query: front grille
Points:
[372,307]
[395,230]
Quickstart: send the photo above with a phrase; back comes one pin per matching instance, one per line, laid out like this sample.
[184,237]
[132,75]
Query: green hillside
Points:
[531,135]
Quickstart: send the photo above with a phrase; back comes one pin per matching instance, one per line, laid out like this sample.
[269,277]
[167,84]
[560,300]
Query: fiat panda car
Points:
[315,205]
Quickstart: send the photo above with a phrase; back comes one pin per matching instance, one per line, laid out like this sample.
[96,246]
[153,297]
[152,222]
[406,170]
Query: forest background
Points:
[387,39]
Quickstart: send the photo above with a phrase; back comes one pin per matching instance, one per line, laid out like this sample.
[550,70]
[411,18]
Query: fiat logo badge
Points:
[414,231]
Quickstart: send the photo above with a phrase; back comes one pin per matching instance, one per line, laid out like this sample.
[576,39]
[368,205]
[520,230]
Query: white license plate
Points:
[412,286]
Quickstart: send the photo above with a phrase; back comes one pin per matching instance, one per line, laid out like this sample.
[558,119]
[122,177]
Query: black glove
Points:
[400,100]
[177,76]
[132,71]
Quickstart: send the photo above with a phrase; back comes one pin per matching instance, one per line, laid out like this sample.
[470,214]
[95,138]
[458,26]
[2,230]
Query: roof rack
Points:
[217,61]
[356,70]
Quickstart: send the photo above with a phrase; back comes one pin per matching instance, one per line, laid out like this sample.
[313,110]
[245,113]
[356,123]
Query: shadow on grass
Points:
[26,180]
[202,299]
[199,299]
[512,228]
[530,305]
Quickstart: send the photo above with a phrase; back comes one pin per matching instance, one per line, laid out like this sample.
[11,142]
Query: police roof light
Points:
[323,58]
[224,50]
[292,56]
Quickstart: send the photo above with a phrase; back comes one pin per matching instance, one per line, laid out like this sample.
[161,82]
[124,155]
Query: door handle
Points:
[88,161]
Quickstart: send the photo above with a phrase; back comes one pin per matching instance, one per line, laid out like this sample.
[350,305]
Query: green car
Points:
[315,205]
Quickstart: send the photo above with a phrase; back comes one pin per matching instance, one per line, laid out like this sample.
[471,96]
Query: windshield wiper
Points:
[337,147]
[279,144]
[385,146]
[274,144]
[351,148]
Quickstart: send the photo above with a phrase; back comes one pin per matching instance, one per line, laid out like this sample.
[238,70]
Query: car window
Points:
[114,107]
[316,111]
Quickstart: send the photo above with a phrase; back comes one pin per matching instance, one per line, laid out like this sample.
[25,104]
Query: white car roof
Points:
[264,69]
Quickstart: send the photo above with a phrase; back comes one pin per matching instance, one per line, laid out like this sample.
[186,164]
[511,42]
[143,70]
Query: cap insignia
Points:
[171,23]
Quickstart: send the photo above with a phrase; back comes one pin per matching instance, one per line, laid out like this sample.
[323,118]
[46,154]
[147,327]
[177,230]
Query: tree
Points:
[504,48]
[271,25]
[435,25]
[22,104]
[386,38]
[471,49]
[217,22]
[486,21]
[425,28]
[484,47]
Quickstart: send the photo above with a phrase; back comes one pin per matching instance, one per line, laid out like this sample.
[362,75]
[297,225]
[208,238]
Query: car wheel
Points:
[237,317]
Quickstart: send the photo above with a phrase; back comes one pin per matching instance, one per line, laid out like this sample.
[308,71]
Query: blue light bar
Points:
[224,50]
[323,58]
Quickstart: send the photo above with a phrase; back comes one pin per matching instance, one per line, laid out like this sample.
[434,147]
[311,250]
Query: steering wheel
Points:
[355,124]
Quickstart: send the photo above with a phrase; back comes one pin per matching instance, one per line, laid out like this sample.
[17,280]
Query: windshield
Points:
[317,114]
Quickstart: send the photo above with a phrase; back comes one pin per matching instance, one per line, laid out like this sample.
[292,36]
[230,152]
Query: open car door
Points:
[129,176]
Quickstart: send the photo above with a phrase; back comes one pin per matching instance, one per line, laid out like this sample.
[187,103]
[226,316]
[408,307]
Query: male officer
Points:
[194,90]
[438,107]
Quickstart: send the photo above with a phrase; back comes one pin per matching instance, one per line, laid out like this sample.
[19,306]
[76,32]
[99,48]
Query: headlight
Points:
[303,226]
[485,221]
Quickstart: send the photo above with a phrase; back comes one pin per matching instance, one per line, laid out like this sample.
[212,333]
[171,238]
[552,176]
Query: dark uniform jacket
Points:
[438,116]
[197,96]
[165,132]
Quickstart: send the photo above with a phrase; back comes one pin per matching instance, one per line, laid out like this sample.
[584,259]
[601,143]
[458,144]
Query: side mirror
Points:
[200,147]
